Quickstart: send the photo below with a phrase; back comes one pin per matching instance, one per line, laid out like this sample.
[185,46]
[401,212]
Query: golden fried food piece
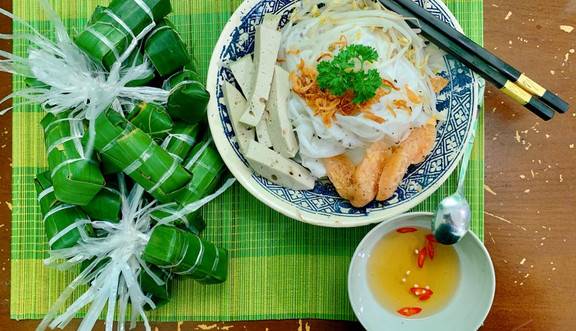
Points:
[411,151]
[422,142]
[439,83]
[382,169]
[358,184]
[367,175]
[340,170]
[392,174]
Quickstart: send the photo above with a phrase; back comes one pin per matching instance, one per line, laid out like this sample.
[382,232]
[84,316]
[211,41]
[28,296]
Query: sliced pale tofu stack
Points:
[267,43]
[278,169]
[262,131]
[236,104]
[280,125]
[243,71]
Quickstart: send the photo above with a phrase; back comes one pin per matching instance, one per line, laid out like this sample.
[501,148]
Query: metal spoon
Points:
[451,219]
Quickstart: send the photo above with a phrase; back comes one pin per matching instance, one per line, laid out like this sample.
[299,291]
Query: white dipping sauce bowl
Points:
[465,311]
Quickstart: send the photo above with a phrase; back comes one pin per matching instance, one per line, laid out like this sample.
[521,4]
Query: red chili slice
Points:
[409,311]
[424,297]
[431,238]
[406,230]
[421,292]
[430,249]
[422,257]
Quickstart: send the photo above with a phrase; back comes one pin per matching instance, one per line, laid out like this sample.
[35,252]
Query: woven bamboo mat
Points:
[279,268]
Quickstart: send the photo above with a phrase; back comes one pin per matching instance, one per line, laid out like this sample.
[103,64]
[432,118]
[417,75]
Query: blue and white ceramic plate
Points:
[322,205]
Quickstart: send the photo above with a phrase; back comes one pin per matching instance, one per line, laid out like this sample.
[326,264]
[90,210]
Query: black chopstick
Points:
[509,72]
[475,63]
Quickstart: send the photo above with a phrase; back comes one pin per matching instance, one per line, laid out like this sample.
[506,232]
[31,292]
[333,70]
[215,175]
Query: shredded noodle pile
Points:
[328,125]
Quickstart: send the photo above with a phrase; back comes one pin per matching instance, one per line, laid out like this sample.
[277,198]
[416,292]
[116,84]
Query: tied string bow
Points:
[114,263]
[74,82]
[114,266]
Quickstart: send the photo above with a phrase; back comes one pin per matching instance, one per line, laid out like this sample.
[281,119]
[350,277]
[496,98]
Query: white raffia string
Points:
[189,140]
[196,156]
[116,281]
[186,82]
[74,80]
[113,274]
[179,136]
[45,193]
[192,207]
[200,256]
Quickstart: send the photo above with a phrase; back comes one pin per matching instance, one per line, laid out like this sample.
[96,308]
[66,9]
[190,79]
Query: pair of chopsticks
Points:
[505,77]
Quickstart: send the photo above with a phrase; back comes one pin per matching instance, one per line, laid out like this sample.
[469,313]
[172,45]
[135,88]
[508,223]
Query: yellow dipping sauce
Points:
[397,281]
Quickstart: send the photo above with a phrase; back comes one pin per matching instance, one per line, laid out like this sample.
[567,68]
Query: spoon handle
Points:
[466,159]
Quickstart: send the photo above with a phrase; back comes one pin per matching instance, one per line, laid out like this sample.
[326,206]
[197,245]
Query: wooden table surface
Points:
[530,181]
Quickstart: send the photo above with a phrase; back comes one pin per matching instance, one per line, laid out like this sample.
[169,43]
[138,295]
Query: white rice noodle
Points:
[402,60]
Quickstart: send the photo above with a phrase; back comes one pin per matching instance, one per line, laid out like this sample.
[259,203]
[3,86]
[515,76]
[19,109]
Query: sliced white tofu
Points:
[278,169]
[243,69]
[236,104]
[262,132]
[267,43]
[280,125]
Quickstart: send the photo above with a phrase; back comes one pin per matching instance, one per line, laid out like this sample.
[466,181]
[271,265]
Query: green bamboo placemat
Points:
[279,268]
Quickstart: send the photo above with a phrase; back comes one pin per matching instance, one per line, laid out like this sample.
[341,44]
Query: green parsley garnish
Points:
[339,76]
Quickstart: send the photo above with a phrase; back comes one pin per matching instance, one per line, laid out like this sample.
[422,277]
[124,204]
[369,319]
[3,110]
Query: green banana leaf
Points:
[35,83]
[181,139]
[108,166]
[160,294]
[207,167]
[59,216]
[188,97]
[105,206]
[184,253]
[105,39]
[139,157]
[193,222]
[76,179]
[152,119]
[136,58]
[166,49]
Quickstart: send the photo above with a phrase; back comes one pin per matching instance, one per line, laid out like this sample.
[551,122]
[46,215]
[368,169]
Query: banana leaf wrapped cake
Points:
[188,97]
[77,178]
[140,157]
[65,224]
[208,169]
[107,204]
[187,255]
[181,139]
[113,30]
[166,49]
[129,165]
